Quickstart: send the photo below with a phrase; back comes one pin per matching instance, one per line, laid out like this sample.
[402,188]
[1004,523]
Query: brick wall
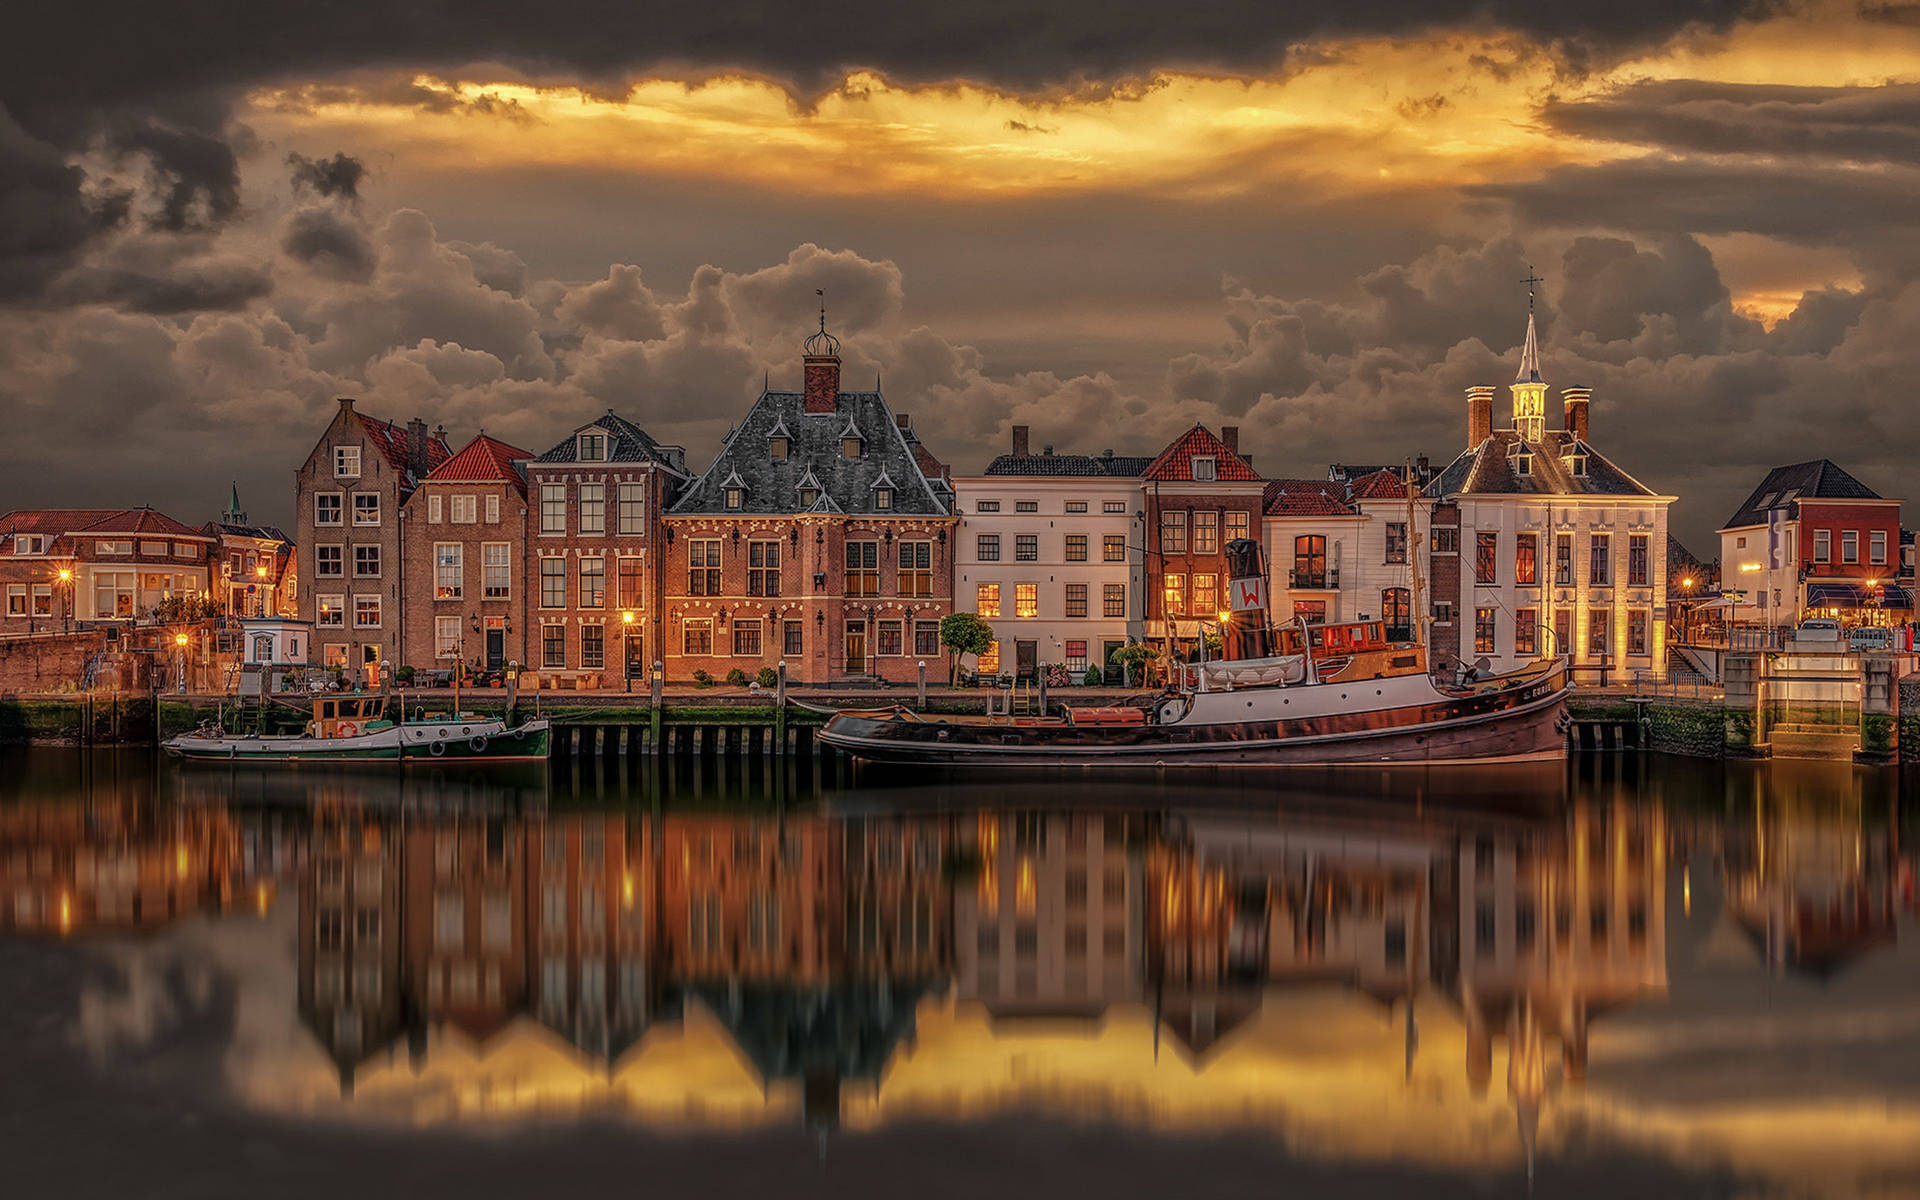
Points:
[48,662]
[1161,563]
[611,547]
[378,477]
[1443,571]
[503,616]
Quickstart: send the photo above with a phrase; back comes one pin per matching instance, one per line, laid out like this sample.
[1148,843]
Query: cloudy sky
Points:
[1105,220]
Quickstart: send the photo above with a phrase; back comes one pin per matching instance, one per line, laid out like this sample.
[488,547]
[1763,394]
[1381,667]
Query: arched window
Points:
[1309,561]
[1396,610]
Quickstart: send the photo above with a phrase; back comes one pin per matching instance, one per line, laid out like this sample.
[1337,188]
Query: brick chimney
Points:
[1479,416]
[823,383]
[1019,441]
[904,422]
[417,458]
[1230,437]
[1577,400]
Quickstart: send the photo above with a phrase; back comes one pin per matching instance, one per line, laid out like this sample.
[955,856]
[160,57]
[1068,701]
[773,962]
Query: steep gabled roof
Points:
[1306,498]
[1488,469]
[627,443]
[51,521]
[484,460]
[391,441]
[1175,463]
[846,484]
[1816,480]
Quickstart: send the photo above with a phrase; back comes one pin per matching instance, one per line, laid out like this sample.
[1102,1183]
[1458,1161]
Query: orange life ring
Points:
[346,729]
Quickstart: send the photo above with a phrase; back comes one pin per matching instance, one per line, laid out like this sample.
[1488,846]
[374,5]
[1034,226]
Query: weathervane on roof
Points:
[822,343]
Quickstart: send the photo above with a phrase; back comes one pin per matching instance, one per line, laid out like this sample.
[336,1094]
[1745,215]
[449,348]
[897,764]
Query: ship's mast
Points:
[1414,544]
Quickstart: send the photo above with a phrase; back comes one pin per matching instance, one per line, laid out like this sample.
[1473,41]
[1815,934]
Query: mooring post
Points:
[921,703]
[780,710]
[653,713]
[1040,686]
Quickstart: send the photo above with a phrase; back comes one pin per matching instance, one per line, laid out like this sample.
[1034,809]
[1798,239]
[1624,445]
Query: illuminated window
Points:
[1526,565]
[1486,557]
[1176,595]
[1204,594]
[1638,620]
[1483,631]
[696,637]
[332,612]
[449,571]
[1396,541]
[1239,522]
[1396,613]
[366,612]
[1526,625]
[986,601]
[1026,599]
[989,663]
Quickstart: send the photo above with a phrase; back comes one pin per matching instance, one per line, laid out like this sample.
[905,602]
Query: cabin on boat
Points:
[348,716]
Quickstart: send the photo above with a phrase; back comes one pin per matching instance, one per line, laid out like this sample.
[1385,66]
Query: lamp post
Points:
[66,599]
[626,649]
[180,644]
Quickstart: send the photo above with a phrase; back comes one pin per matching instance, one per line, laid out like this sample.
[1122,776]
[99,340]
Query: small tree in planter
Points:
[1132,659]
[1094,677]
[768,677]
[964,633]
[736,678]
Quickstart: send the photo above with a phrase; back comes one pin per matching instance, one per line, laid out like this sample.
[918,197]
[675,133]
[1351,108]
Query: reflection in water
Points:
[1351,958]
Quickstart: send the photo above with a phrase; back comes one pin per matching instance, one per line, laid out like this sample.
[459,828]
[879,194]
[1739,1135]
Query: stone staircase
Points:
[1805,740]
[1680,671]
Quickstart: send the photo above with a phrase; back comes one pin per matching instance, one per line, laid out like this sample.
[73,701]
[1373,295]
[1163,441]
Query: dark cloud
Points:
[46,215]
[337,176]
[328,241]
[1858,124]
[194,175]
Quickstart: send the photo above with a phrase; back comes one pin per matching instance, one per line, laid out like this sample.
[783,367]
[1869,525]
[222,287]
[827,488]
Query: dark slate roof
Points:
[1109,465]
[1488,469]
[1818,479]
[267,533]
[846,485]
[630,443]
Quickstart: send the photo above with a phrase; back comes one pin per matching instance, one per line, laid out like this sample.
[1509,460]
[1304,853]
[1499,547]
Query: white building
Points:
[1050,556]
[1339,548]
[1558,551]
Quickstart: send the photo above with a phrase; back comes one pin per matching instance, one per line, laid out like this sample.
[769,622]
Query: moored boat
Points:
[1323,694]
[356,729]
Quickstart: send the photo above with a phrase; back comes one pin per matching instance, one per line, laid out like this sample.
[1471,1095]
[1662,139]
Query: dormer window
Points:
[777,447]
[735,498]
[883,498]
[1203,468]
[593,447]
[809,496]
[850,446]
[1577,465]
[1523,463]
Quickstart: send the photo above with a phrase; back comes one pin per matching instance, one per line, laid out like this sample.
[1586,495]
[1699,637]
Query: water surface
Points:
[1633,975]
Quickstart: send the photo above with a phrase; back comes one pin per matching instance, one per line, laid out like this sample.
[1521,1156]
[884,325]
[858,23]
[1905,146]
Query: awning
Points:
[1716,603]
[1853,595]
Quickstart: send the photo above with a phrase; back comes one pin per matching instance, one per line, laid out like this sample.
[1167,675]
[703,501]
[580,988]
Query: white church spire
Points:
[1529,390]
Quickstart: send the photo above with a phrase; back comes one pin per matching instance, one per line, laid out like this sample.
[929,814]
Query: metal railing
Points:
[1328,579]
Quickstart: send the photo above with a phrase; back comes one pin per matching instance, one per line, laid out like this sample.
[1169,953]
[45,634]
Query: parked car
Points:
[1818,629]
[1869,637]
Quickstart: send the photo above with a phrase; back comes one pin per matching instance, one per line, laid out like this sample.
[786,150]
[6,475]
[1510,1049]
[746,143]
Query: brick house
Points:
[1201,494]
[61,567]
[1812,539]
[347,500]
[463,560]
[256,572]
[593,551]
[821,536]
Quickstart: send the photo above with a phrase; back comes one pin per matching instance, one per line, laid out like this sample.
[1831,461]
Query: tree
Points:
[1133,659]
[964,633]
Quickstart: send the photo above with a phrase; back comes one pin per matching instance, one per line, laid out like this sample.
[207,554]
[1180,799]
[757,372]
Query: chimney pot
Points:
[902,420]
[1047,450]
[1020,441]
[1577,403]
[1479,416]
[417,457]
[1230,437]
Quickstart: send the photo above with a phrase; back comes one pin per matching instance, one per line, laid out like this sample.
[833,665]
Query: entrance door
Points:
[1026,656]
[636,654]
[1110,670]
[496,649]
[1563,633]
[370,666]
[856,647]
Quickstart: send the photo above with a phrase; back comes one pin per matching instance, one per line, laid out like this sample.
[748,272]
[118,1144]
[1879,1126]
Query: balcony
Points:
[1314,581]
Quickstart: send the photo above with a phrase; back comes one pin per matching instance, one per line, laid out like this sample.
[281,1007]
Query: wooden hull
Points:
[1522,724]
[429,743]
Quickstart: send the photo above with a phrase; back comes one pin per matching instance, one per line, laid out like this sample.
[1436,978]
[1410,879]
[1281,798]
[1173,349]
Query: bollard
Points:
[1040,678]
[922,703]
[780,710]
[653,716]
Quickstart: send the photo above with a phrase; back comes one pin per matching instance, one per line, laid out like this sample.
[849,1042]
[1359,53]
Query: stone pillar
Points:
[1879,709]
[922,697]
[1745,706]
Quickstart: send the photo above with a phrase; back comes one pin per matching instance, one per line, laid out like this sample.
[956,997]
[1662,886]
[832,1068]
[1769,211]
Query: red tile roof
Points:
[391,441]
[1175,463]
[97,520]
[483,460]
[1384,484]
[1306,498]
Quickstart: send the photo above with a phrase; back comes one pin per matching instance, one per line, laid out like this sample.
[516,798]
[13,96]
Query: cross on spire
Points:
[1530,281]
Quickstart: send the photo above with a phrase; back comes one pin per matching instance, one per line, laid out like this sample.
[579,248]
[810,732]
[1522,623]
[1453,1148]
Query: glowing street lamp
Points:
[626,650]
[180,644]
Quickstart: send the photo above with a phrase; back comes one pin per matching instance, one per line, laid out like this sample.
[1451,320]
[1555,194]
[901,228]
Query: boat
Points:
[356,729]
[1272,710]
[1311,694]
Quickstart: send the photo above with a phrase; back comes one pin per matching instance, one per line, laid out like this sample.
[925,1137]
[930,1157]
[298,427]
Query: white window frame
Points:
[433,509]
[364,604]
[366,516]
[446,637]
[463,509]
[449,562]
[553,493]
[339,604]
[346,462]
[504,552]
[493,508]
[339,509]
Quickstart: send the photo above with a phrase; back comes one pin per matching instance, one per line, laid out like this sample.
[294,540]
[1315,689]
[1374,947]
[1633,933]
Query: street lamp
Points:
[66,599]
[180,641]
[626,647]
